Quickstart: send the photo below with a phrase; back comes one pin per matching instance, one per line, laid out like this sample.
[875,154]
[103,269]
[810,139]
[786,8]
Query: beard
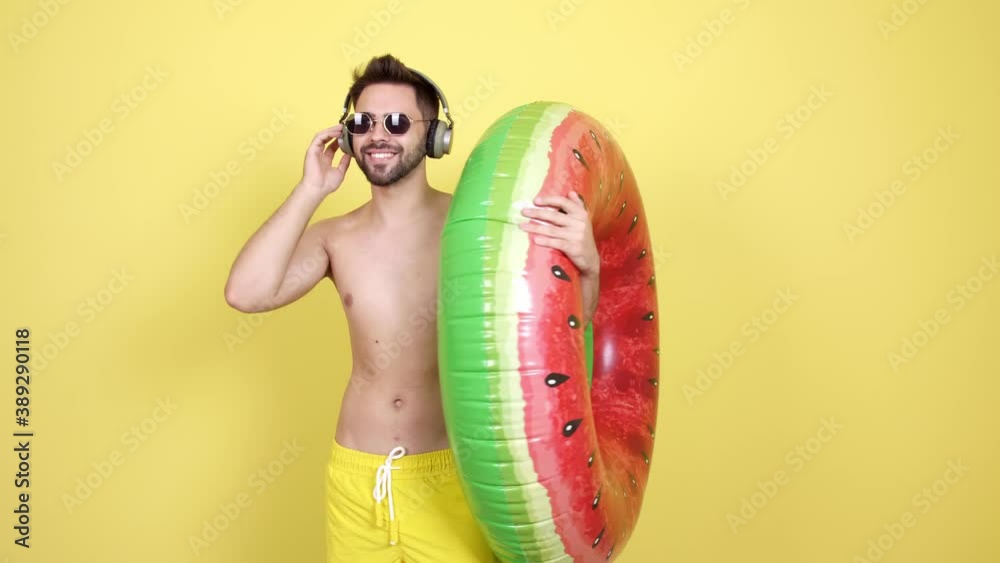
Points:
[386,174]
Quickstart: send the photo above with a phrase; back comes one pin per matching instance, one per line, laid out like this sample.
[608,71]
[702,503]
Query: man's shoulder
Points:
[340,224]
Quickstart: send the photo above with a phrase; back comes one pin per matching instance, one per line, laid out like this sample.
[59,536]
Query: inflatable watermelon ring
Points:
[552,423]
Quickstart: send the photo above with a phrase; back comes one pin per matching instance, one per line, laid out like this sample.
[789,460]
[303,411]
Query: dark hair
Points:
[389,69]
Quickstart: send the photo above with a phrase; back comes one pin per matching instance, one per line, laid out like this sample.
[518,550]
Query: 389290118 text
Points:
[22,436]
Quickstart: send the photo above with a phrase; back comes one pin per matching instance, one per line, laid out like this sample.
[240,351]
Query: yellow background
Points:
[243,385]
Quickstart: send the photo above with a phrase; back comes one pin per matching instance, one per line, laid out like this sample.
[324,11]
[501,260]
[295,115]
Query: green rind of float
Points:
[474,217]
[483,250]
[529,156]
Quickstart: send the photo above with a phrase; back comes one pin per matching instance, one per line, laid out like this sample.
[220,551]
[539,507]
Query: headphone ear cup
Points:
[430,145]
[344,142]
[438,139]
[445,142]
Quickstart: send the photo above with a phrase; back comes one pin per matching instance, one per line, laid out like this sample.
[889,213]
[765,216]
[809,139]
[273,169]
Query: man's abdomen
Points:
[395,408]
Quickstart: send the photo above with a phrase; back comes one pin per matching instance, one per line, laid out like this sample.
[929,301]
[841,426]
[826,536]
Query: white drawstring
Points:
[383,479]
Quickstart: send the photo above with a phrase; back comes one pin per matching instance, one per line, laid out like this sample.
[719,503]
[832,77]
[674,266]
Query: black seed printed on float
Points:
[579,157]
[594,137]
[652,280]
[610,551]
[558,272]
[573,321]
[642,254]
[621,180]
[571,426]
[652,434]
[654,382]
[597,540]
[644,457]
[556,379]
[632,478]
[622,210]
[597,499]
[590,460]
[648,316]
[635,220]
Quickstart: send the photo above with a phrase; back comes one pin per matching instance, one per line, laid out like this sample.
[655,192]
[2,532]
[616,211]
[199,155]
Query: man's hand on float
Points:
[566,226]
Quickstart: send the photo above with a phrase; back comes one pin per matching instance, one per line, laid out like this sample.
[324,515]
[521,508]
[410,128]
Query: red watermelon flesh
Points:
[592,448]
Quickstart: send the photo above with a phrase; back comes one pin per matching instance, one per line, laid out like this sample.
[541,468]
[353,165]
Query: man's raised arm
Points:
[283,259]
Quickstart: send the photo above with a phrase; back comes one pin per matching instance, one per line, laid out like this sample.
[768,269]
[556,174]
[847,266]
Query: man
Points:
[392,487]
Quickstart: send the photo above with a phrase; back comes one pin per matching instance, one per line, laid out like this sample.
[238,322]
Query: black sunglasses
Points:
[395,123]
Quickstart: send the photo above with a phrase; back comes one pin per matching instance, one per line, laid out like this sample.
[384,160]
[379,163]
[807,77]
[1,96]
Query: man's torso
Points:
[387,279]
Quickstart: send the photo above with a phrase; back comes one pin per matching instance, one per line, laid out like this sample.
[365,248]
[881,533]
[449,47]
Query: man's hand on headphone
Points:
[318,172]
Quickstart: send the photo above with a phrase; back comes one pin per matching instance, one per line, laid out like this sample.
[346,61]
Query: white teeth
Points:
[381,155]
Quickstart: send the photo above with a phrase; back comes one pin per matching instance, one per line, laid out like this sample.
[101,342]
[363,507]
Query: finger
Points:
[326,135]
[554,200]
[550,215]
[331,145]
[569,206]
[331,129]
[550,242]
[547,230]
[345,163]
[578,203]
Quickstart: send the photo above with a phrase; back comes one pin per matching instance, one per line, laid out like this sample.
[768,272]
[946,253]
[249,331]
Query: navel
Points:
[398,403]
[348,299]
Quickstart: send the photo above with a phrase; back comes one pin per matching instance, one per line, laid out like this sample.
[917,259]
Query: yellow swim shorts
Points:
[399,508]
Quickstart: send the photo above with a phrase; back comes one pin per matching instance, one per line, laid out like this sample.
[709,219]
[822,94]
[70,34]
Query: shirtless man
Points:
[392,486]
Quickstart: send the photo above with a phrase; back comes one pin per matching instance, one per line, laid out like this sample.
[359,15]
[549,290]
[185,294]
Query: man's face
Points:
[385,159]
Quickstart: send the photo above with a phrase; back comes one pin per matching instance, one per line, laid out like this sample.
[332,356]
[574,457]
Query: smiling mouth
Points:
[381,154]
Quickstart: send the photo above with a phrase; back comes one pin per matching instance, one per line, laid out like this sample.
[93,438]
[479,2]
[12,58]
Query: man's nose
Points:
[378,132]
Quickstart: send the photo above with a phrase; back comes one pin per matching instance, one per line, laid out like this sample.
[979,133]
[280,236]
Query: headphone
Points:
[438,141]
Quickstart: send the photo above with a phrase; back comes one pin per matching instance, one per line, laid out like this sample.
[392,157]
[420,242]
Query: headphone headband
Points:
[440,95]
[425,78]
